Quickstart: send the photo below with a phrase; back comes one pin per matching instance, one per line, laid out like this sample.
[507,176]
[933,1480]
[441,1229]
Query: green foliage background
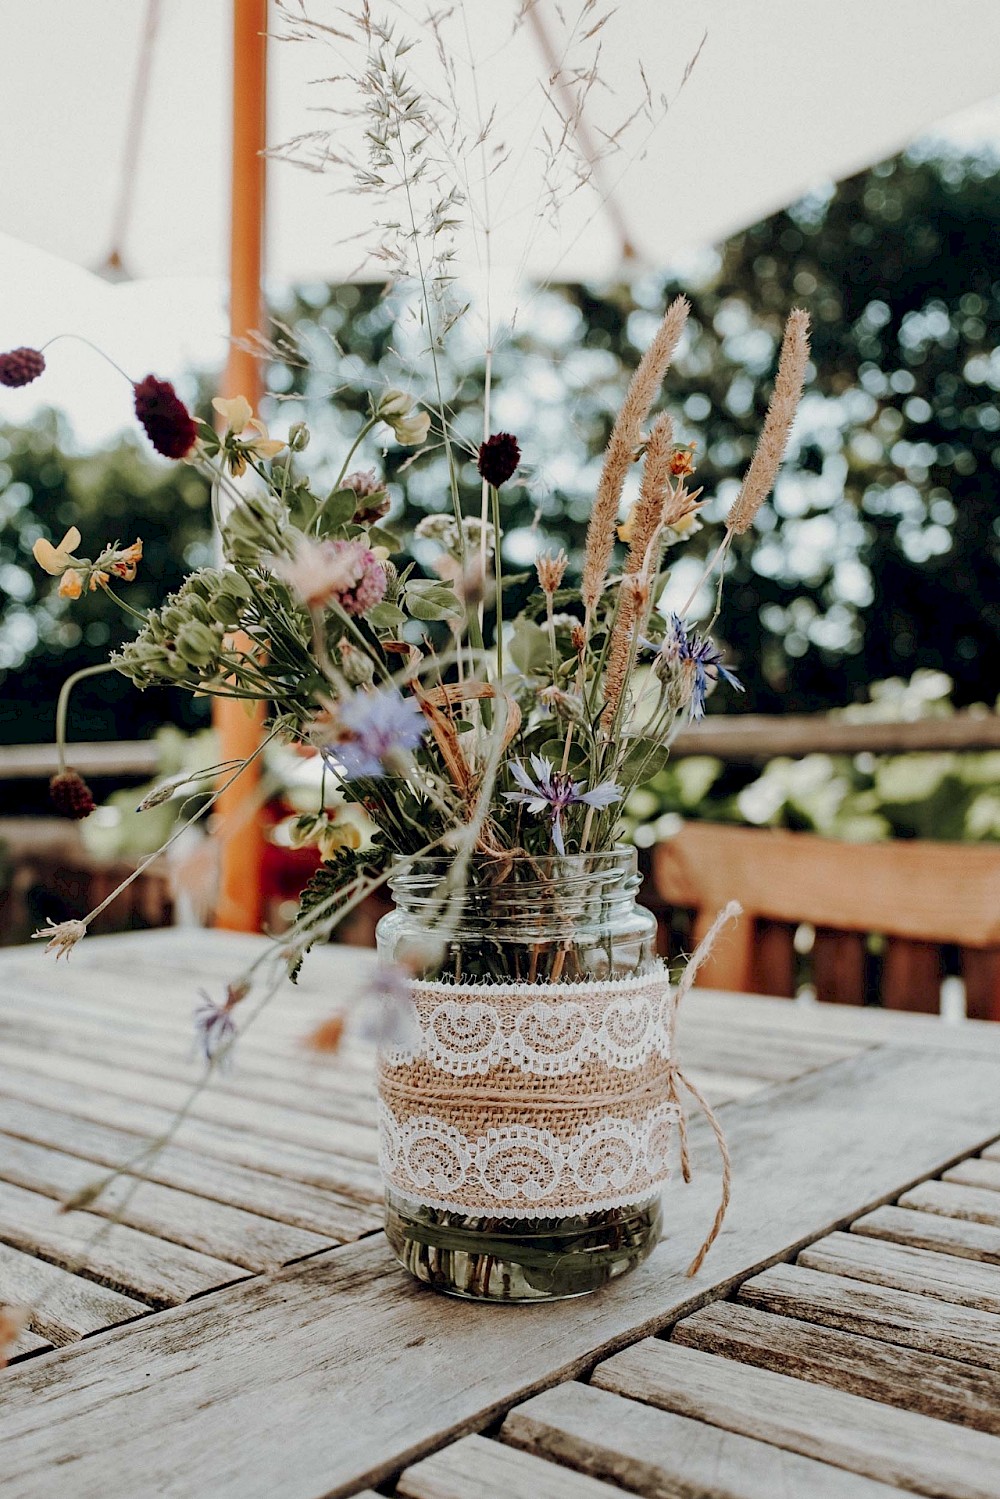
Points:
[879,555]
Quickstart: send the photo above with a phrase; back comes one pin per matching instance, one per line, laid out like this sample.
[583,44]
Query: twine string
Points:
[677,1077]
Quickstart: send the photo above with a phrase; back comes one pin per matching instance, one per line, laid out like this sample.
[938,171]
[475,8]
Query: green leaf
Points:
[209,436]
[429,599]
[385,617]
[339,508]
[379,536]
[554,749]
[529,646]
[642,761]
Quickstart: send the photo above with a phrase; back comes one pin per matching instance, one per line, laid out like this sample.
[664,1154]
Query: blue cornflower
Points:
[555,790]
[375,727]
[699,660]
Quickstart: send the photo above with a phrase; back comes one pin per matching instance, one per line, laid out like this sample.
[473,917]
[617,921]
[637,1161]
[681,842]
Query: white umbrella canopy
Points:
[785,94]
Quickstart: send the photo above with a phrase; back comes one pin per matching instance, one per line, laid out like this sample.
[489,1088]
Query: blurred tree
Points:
[878,557]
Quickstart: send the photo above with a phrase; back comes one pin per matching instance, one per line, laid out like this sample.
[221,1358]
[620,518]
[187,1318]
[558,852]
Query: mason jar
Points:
[524,1116]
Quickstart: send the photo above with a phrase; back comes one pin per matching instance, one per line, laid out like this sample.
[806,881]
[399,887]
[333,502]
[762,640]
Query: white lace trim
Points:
[520,1170]
[468,1029]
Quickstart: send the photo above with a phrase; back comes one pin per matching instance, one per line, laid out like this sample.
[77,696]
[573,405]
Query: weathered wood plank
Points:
[134,1263]
[26,1343]
[279,1120]
[214,1228]
[949,1391]
[352,1309]
[976,1172]
[958,1332]
[944,1276]
[884,1443]
[63,1306]
[277,1068]
[949,1200]
[325,1169]
[659,1452]
[752,1055]
[868,1025]
[269,1196]
[974,1241]
[476,1468]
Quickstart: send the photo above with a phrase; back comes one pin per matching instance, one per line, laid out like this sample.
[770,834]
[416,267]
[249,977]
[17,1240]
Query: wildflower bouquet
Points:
[528,1071]
[482,748]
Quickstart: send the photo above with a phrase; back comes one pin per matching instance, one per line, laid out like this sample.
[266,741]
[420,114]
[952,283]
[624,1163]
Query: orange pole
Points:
[239,731]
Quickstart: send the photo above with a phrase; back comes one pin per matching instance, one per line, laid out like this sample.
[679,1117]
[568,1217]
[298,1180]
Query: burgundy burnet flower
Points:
[71,796]
[498,458]
[167,422]
[21,366]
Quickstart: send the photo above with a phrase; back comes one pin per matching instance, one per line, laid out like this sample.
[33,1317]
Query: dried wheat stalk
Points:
[770,449]
[626,437]
[647,521]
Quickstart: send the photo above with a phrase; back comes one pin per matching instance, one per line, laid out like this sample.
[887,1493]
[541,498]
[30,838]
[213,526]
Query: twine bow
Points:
[676,1076]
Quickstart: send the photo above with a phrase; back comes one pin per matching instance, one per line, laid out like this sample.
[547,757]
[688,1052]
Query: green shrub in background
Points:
[864,798]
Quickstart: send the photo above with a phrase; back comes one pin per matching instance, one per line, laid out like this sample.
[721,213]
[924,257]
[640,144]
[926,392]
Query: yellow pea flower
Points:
[70,584]
[55,560]
[236,413]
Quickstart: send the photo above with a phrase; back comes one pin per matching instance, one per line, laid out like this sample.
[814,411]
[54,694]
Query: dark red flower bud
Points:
[498,458]
[21,366]
[71,796]
[167,421]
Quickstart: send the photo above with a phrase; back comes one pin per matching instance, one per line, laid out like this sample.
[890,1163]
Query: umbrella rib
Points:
[581,129]
[133,139]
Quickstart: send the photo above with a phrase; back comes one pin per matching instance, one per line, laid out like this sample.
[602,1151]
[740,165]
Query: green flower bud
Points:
[198,609]
[198,644]
[254,528]
[358,669]
[235,586]
[298,437]
[173,617]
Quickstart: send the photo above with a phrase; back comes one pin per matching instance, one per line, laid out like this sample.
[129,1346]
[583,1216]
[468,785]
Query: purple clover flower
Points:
[375,726]
[214,1028]
[554,791]
[698,658]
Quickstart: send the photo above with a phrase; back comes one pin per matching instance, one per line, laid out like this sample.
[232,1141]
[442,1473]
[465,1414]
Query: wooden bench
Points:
[931,908]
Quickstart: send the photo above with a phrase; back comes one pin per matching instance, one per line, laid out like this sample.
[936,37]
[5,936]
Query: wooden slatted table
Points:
[229,1322]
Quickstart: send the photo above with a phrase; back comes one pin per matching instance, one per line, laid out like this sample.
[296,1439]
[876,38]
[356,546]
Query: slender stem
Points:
[372,421]
[62,705]
[484,504]
[80,339]
[710,566]
[156,854]
[498,573]
[125,608]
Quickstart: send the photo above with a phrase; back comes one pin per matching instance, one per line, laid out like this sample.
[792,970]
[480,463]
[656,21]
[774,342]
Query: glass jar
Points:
[546,934]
